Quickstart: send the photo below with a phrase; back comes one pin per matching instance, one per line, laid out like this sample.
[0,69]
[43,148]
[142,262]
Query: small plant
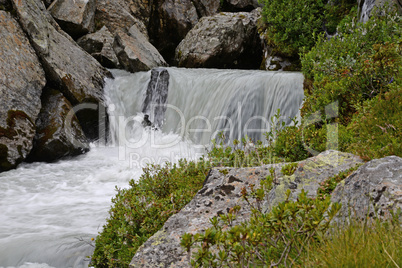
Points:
[329,185]
[289,169]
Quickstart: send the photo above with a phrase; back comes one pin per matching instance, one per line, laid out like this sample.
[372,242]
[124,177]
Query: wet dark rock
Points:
[21,81]
[156,96]
[58,132]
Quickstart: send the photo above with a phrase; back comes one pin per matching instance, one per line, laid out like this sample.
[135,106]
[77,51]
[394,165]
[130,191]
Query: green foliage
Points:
[140,211]
[359,244]
[278,237]
[377,126]
[329,185]
[293,26]
[355,70]
[289,169]
[356,65]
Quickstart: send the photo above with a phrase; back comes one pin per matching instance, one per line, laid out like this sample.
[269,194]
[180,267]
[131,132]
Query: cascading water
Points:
[50,212]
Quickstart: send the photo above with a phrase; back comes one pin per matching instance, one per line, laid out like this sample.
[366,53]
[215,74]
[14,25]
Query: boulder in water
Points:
[21,81]
[100,46]
[68,67]
[226,40]
[135,53]
[76,17]
[156,96]
[58,132]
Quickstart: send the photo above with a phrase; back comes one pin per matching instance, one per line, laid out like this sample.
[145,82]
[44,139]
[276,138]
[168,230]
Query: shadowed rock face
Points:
[76,17]
[68,67]
[373,190]
[58,132]
[222,191]
[226,40]
[21,83]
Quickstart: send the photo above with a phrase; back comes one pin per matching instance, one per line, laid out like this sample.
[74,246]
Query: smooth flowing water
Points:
[50,211]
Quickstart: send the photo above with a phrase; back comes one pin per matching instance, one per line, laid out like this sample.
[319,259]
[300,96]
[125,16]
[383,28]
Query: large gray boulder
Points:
[68,67]
[100,46]
[374,190]
[134,51]
[222,191]
[21,81]
[76,17]
[225,40]
[58,132]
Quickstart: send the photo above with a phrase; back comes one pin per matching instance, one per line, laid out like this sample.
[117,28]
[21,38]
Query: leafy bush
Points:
[293,26]
[377,126]
[140,211]
[278,237]
[356,65]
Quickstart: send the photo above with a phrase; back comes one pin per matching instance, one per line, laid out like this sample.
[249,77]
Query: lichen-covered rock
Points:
[21,81]
[367,6]
[100,46]
[374,190]
[170,22]
[240,5]
[135,53]
[58,132]
[116,16]
[68,67]
[225,40]
[222,191]
[76,17]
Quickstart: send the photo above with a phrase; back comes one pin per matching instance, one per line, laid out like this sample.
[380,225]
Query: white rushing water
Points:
[50,211]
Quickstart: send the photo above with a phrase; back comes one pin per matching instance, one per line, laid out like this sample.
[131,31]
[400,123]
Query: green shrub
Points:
[289,169]
[377,126]
[278,237]
[140,211]
[293,26]
[356,65]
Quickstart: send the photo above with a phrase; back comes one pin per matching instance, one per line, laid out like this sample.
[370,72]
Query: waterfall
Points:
[50,211]
[197,104]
